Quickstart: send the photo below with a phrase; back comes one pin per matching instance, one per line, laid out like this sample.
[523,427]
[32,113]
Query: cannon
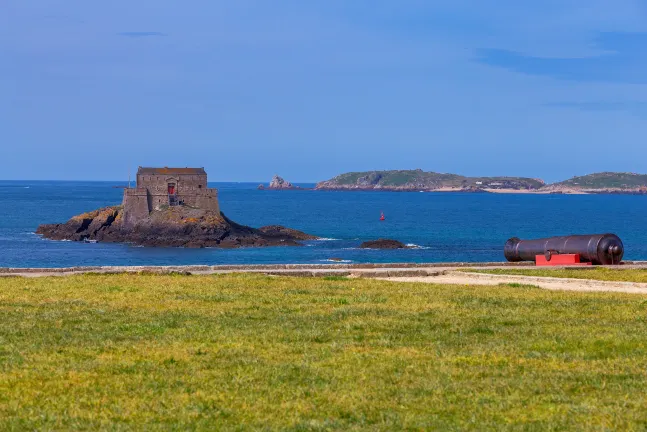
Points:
[598,249]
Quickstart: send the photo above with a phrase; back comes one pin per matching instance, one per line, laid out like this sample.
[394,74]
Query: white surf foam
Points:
[415,246]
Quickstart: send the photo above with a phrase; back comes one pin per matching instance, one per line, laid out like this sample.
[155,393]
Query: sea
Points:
[440,227]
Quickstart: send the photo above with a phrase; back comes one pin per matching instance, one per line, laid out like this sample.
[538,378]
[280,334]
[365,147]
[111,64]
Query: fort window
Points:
[199,186]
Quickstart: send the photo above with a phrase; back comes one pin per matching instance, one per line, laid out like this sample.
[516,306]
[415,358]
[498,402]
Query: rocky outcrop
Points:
[383,244]
[472,189]
[279,183]
[279,230]
[172,227]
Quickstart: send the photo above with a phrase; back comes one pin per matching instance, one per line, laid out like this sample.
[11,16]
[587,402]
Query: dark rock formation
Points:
[261,187]
[172,227]
[472,189]
[383,244]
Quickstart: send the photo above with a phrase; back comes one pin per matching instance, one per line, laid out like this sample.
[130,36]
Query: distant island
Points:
[419,180]
[605,182]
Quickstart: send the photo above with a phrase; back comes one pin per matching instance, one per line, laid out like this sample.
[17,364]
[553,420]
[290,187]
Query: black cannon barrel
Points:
[600,249]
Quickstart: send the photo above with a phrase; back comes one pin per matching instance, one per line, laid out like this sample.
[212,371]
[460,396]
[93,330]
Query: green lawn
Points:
[243,352]
[595,273]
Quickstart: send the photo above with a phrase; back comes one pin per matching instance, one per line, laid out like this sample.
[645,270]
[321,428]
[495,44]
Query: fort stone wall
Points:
[136,205]
[189,186]
[207,200]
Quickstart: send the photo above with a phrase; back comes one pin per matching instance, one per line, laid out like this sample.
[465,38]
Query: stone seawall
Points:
[299,270]
[410,269]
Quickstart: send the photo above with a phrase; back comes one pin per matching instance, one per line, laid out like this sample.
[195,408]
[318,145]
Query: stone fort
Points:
[157,188]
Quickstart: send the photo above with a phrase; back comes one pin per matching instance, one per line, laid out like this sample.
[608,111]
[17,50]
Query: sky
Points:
[311,89]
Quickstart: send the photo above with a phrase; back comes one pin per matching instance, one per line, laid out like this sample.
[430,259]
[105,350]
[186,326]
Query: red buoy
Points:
[382,216]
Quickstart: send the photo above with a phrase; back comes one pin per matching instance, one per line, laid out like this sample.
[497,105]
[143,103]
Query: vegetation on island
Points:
[421,180]
[253,352]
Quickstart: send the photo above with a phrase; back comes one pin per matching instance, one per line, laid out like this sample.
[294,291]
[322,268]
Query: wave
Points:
[326,239]
[337,261]
[415,246]
[409,245]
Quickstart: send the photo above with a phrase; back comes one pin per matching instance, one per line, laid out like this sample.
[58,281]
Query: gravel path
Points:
[549,283]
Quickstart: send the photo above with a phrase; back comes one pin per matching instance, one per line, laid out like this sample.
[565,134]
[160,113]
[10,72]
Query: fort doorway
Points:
[172,197]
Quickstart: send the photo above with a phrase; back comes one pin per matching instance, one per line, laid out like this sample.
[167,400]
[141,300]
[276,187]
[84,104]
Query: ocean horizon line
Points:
[133,181]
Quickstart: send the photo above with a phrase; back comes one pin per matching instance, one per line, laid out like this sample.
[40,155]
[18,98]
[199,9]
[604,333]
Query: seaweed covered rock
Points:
[278,230]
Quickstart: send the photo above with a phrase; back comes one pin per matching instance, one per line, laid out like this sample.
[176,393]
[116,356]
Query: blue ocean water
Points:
[445,226]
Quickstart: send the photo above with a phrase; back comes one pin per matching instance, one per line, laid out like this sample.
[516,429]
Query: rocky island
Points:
[169,207]
[278,183]
[418,180]
[602,183]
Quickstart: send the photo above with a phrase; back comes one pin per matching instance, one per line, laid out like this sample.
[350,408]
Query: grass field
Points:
[251,352]
[596,273]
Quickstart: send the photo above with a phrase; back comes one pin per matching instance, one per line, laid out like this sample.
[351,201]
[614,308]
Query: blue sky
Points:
[312,89]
